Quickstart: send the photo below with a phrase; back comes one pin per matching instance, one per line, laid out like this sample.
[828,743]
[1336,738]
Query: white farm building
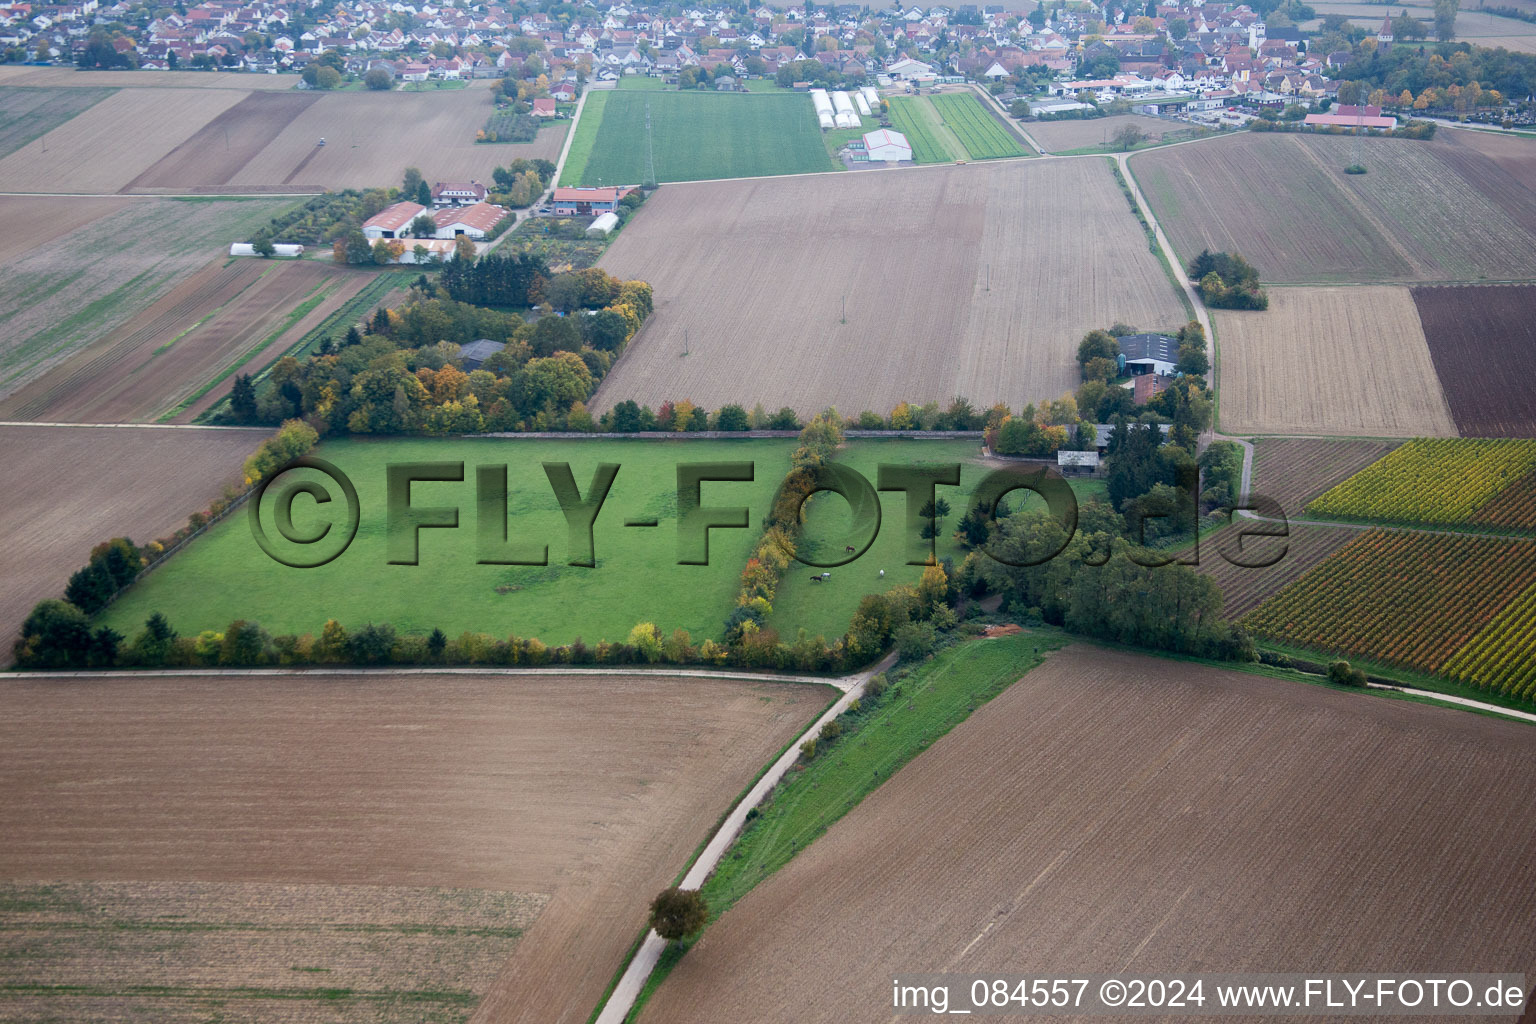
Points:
[887,146]
[823,104]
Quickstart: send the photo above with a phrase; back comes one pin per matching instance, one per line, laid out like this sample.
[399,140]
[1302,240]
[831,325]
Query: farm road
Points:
[639,970]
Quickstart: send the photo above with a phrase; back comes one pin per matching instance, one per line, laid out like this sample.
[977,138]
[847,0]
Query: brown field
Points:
[1477,337]
[64,296]
[371,138]
[227,143]
[403,954]
[1330,361]
[56,77]
[69,488]
[107,146]
[26,114]
[759,292]
[1293,471]
[1472,25]
[1139,816]
[222,315]
[1513,153]
[592,792]
[28,222]
[1062,135]
[1437,211]
[1245,587]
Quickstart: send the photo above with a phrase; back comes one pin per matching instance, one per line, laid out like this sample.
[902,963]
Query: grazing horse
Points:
[850,549]
[816,579]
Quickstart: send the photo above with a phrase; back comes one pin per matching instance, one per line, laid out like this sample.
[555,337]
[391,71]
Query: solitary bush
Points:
[831,731]
[1341,673]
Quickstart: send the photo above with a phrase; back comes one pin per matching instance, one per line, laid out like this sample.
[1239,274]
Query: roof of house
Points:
[611,194]
[1149,346]
[544,103]
[886,137]
[458,188]
[1351,121]
[480,350]
[395,217]
[481,217]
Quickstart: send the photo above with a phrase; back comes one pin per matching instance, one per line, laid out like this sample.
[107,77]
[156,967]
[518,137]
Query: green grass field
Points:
[695,136]
[978,131]
[826,608]
[224,575]
[932,143]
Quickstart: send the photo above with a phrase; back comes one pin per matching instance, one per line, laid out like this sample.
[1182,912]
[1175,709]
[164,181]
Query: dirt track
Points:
[593,790]
[69,488]
[1140,816]
[976,281]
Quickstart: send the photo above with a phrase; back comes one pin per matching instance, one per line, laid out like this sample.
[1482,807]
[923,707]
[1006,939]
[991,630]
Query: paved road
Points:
[639,970]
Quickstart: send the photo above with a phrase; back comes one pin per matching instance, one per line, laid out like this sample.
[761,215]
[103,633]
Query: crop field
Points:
[1115,829]
[982,135]
[1349,361]
[1293,471]
[98,951]
[52,78]
[1499,657]
[105,147]
[927,296]
[1060,136]
[70,488]
[916,118]
[1235,556]
[26,114]
[1405,598]
[1514,154]
[215,319]
[218,151]
[224,575]
[31,222]
[388,842]
[1446,482]
[696,136]
[1284,202]
[62,297]
[1473,25]
[1475,335]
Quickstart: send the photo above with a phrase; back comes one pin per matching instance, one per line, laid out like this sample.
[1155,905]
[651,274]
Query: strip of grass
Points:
[928,702]
[978,131]
[586,137]
[915,118]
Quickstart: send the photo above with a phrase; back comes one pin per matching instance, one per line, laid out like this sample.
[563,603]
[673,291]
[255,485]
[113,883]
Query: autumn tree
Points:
[677,913]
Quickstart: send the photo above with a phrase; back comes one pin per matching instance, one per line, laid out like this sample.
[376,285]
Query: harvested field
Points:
[1293,471]
[227,143]
[1476,335]
[64,296]
[26,114]
[107,146]
[592,791]
[69,488]
[1057,136]
[913,257]
[26,222]
[171,951]
[52,78]
[1284,202]
[1245,586]
[1513,153]
[1139,816]
[215,319]
[372,137]
[1349,361]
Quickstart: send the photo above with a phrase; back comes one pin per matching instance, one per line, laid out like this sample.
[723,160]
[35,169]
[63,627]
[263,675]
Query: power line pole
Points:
[650,149]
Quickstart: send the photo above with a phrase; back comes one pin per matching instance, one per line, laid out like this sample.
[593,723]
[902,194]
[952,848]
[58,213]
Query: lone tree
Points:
[1128,137]
[379,80]
[677,913]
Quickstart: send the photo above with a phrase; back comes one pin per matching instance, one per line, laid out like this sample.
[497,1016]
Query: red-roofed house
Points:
[457,193]
[544,107]
[589,200]
[392,222]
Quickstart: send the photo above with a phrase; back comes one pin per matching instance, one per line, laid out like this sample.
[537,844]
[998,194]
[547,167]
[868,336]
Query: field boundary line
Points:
[622,1000]
[130,426]
[1450,698]
[846,684]
[167,195]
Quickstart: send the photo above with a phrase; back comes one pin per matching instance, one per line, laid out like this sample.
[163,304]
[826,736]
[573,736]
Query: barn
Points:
[392,221]
[887,146]
[476,221]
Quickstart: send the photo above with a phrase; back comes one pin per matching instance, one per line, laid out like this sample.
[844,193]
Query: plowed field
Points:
[1478,337]
[1116,813]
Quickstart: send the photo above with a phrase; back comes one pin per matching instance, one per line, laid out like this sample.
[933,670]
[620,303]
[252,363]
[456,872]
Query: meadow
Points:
[695,136]
[982,135]
[932,143]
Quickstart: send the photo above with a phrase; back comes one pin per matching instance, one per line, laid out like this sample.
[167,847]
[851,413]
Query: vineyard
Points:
[1502,657]
[1442,481]
[907,117]
[978,131]
[1412,599]
[1293,471]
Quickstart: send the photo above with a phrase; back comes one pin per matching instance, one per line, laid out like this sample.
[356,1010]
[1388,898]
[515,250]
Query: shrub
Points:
[1340,673]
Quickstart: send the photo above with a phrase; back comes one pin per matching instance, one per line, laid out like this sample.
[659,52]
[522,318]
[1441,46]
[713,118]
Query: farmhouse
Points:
[1147,386]
[887,146]
[589,201]
[1148,353]
[544,107]
[911,70]
[476,221]
[1357,121]
[392,221]
[457,193]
